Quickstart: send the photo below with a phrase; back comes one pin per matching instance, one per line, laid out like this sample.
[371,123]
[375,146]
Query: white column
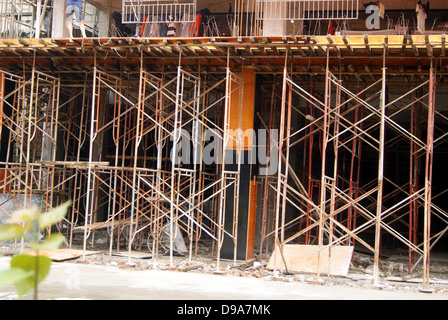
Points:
[59,30]
[104,21]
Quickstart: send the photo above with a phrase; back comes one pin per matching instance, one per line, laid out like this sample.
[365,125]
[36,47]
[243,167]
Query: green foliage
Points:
[54,216]
[13,275]
[11,232]
[51,243]
[36,269]
[27,271]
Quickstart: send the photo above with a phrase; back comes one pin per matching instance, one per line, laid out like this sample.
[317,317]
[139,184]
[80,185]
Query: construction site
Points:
[292,132]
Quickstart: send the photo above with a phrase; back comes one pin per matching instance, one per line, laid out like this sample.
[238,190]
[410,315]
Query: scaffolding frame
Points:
[147,120]
[23,18]
[136,189]
[165,109]
[33,129]
[341,125]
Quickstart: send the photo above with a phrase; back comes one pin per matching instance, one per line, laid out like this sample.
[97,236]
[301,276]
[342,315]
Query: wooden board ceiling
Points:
[404,55]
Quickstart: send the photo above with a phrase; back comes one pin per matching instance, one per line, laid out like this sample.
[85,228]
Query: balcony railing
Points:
[138,11]
[308,9]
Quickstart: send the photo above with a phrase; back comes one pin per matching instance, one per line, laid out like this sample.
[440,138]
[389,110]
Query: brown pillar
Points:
[242,112]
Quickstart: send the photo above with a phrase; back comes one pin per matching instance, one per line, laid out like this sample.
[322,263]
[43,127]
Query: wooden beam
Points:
[414,47]
[344,39]
[403,47]
[366,42]
[443,45]
[428,45]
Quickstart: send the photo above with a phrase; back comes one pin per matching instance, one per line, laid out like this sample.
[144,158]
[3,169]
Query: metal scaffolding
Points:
[347,210]
[133,156]
[33,128]
[24,18]
[128,145]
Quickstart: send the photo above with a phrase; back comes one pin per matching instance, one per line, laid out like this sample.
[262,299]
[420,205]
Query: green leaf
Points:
[12,275]
[10,232]
[53,242]
[39,265]
[54,216]
[27,216]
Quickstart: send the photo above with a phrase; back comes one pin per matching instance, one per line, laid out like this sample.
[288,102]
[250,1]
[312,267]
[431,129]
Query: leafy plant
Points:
[27,271]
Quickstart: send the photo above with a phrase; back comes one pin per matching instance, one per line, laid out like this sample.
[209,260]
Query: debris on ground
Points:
[393,271]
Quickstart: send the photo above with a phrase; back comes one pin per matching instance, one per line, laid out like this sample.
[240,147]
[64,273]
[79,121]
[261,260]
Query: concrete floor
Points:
[74,280]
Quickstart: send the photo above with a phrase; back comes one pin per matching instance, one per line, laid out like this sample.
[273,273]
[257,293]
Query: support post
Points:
[428,179]
[379,204]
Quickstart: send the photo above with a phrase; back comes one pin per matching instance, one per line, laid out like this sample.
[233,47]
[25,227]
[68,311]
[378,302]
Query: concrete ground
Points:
[101,277]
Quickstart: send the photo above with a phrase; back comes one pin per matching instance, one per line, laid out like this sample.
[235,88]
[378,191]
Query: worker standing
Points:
[74,10]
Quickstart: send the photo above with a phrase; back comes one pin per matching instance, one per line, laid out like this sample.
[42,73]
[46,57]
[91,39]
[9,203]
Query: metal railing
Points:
[137,11]
[308,9]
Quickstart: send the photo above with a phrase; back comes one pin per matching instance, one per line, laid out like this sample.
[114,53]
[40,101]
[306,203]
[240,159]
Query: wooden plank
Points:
[443,45]
[103,225]
[61,254]
[251,221]
[304,258]
[133,254]
[5,181]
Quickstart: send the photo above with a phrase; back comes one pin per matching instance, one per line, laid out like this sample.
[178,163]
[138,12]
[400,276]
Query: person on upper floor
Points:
[74,10]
